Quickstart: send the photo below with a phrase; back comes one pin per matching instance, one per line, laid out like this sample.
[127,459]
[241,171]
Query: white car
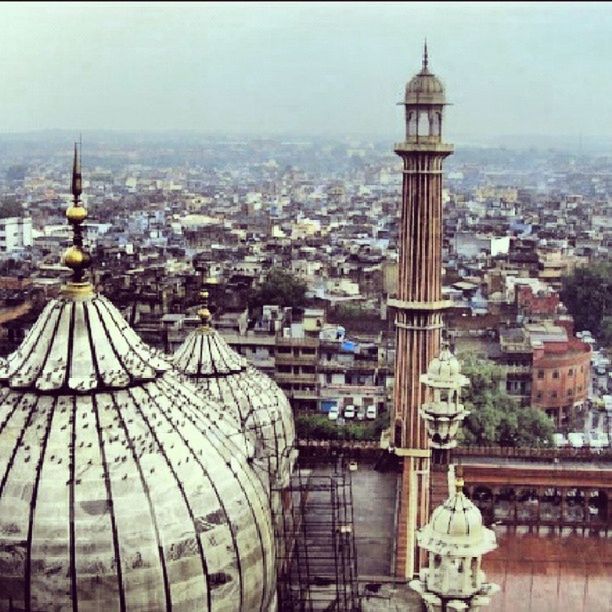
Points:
[596,441]
[559,440]
[349,412]
[332,415]
[576,439]
[361,413]
[371,412]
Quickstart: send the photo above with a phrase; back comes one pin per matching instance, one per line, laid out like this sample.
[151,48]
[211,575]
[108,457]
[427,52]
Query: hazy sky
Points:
[321,68]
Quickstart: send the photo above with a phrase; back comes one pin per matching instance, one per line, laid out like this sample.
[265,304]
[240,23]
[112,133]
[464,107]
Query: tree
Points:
[495,417]
[280,288]
[587,294]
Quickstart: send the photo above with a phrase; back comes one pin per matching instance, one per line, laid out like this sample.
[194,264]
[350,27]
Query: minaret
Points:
[419,303]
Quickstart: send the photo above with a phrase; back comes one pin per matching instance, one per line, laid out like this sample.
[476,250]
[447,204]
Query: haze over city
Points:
[512,69]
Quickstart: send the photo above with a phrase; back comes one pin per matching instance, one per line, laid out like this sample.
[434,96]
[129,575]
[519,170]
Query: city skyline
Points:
[326,69]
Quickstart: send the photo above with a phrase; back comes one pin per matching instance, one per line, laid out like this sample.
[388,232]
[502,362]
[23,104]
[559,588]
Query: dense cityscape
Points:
[258,352]
[169,214]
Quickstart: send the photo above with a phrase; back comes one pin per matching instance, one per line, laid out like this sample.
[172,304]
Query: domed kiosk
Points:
[258,407]
[424,101]
[455,540]
[119,487]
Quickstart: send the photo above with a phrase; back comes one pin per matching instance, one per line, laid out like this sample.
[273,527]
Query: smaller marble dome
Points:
[456,529]
[425,87]
[258,407]
[444,371]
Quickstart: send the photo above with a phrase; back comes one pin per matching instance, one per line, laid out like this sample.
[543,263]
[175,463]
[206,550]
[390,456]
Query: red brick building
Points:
[547,367]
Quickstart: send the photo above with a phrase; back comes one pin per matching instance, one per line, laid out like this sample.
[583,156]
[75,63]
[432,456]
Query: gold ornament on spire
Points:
[204,313]
[459,482]
[75,257]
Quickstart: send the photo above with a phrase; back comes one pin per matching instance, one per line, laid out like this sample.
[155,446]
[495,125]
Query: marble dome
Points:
[425,87]
[444,371]
[120,487]
[258,407]
[456,528]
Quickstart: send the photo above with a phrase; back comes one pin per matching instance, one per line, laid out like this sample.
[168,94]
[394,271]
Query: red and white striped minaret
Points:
[419,303]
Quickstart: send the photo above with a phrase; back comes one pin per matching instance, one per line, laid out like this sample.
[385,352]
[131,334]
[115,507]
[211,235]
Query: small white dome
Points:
[258,407]
[456,529]
[444,371]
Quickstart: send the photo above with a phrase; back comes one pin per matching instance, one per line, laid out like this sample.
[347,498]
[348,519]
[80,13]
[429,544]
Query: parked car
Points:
[332,415]
[361,412]
[559,440]
[576,439]
[349,412]
[596,441]
[371,412]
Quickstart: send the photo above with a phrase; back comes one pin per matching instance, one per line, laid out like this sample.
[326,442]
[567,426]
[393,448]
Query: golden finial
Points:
[459,482]
[204,313]
[75,257]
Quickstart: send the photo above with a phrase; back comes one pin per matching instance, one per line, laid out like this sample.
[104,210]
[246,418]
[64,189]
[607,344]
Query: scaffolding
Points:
[316,558]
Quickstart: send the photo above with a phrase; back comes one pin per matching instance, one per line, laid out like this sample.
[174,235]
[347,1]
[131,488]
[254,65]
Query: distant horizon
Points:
[305,67]
[561,142]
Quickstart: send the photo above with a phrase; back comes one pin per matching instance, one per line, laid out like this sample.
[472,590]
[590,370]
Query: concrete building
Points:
[546,367]
[15,234]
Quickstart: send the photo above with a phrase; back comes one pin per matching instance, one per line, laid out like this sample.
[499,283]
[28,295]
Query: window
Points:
[570,392]
[539,395]
[553,395]
[570,372]
[540,374]
[556,374]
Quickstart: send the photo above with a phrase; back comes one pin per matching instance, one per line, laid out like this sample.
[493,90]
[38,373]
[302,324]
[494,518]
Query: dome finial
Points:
[425,56]
[204,313]
[75,257]
[459,482]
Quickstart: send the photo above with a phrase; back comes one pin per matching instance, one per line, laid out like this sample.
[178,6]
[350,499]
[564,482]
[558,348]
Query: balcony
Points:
[518,369]
[310,342]
[289,358]
[295,378]
[339,366]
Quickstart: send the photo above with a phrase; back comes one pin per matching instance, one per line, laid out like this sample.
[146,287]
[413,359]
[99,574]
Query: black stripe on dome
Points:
[107,479]
[18,441]
[111,507]
[179,484]
[185,401]
[27,586]
[221,438]
[213,486]
[71,495]
[37,328]
[145,489]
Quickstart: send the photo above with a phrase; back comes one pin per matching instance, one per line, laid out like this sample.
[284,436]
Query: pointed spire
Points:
[425,57]
[77,187]
[75,257]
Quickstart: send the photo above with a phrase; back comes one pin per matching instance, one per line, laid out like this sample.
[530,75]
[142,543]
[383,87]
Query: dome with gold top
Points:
[258,407]
[120,486]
